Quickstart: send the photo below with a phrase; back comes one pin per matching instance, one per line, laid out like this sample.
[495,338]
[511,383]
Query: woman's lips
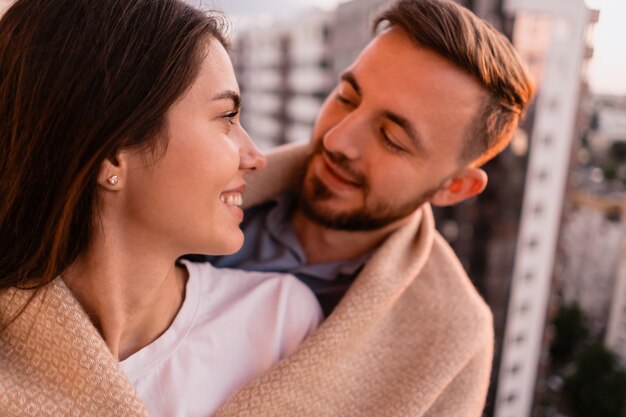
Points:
[233,200]
[233,196]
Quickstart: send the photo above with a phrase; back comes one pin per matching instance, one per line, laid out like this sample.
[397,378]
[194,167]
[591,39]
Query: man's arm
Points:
[282,162]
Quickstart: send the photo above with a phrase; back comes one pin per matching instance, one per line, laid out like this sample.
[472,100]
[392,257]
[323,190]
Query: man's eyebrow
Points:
[229,95]
[349,78]
[408,128]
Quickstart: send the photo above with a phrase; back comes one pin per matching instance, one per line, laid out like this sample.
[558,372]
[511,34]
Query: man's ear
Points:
[466,183]
[114,172]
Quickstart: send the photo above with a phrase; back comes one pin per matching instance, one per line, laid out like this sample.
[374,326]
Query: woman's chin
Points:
[226,246]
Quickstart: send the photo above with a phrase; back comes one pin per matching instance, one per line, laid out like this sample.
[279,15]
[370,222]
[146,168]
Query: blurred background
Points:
[545,243]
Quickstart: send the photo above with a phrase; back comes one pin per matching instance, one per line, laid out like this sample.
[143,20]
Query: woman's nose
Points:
[251,158]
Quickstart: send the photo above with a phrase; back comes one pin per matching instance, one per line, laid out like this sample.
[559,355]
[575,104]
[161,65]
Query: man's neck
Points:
[322,244]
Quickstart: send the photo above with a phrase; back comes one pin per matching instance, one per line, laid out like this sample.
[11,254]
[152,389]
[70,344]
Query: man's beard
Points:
[371,216]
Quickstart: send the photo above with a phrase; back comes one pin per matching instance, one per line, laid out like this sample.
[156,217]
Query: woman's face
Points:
[188,199]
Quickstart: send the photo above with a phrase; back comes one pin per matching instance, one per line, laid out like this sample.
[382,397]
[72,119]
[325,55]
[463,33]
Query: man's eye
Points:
[343,99]
[389,143]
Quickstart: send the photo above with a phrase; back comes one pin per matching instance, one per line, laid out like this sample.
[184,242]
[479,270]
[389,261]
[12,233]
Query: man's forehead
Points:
[394,63]
[395,74]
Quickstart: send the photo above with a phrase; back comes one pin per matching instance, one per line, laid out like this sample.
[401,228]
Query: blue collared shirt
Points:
[271,244]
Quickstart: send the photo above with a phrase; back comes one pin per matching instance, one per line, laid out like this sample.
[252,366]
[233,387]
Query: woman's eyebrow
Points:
[229,95]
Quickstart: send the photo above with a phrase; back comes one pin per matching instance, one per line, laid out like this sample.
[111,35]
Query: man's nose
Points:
[346,137]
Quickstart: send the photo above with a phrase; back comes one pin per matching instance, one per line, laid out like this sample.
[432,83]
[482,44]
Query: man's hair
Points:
[476,47]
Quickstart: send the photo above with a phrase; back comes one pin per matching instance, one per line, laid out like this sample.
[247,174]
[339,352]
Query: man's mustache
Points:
[341,163]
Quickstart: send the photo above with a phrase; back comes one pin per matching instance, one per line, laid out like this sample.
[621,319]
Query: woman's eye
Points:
[389,143]
[230,117]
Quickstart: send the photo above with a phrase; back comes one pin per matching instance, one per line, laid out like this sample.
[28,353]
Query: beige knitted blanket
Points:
[53,361]
[411,338]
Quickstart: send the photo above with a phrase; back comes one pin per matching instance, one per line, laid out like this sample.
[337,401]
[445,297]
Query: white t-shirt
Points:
[233,325]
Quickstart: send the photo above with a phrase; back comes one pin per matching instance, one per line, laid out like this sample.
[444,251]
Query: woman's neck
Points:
[131,296]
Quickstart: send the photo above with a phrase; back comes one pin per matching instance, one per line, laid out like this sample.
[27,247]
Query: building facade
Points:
[352,30]
[616,329]
[564,39]
[287,68]
[592,246]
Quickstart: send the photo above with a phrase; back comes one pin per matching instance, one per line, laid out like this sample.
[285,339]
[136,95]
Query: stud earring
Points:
[113,180]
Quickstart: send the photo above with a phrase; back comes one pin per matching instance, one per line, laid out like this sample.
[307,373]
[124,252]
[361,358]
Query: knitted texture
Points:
[410,338]
[53,361]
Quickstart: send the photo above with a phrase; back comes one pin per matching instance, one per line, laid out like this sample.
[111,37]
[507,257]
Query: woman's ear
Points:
[113,172]
[466,183]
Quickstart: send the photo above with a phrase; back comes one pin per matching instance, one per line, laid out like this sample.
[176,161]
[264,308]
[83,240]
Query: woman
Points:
[120,151]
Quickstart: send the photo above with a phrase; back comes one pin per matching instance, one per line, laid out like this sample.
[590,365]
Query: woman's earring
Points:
[113,180]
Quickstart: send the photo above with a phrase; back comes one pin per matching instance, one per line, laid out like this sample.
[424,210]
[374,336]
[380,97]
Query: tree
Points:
[609,171]
[598,386]
[618,151]
[569,331]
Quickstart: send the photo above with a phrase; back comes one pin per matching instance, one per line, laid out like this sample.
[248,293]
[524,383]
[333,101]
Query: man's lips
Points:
[337,174]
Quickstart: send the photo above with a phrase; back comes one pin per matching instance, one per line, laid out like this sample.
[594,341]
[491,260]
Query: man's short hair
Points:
[476,47]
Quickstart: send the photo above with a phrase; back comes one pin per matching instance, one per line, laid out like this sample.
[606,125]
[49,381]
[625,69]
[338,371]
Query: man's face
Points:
[388,136]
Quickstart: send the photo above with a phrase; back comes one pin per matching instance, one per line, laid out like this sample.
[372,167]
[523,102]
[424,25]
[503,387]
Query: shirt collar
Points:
[278,224]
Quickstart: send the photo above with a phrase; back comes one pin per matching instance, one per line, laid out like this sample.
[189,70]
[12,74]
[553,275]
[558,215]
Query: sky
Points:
[607,69]
[275,8]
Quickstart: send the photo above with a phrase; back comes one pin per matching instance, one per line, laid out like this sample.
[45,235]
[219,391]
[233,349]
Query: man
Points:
[436,94]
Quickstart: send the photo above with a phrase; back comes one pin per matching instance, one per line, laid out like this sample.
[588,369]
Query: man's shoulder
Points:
[445,286]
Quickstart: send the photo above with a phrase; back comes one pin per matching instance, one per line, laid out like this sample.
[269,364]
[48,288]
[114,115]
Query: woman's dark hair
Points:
[80,80]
